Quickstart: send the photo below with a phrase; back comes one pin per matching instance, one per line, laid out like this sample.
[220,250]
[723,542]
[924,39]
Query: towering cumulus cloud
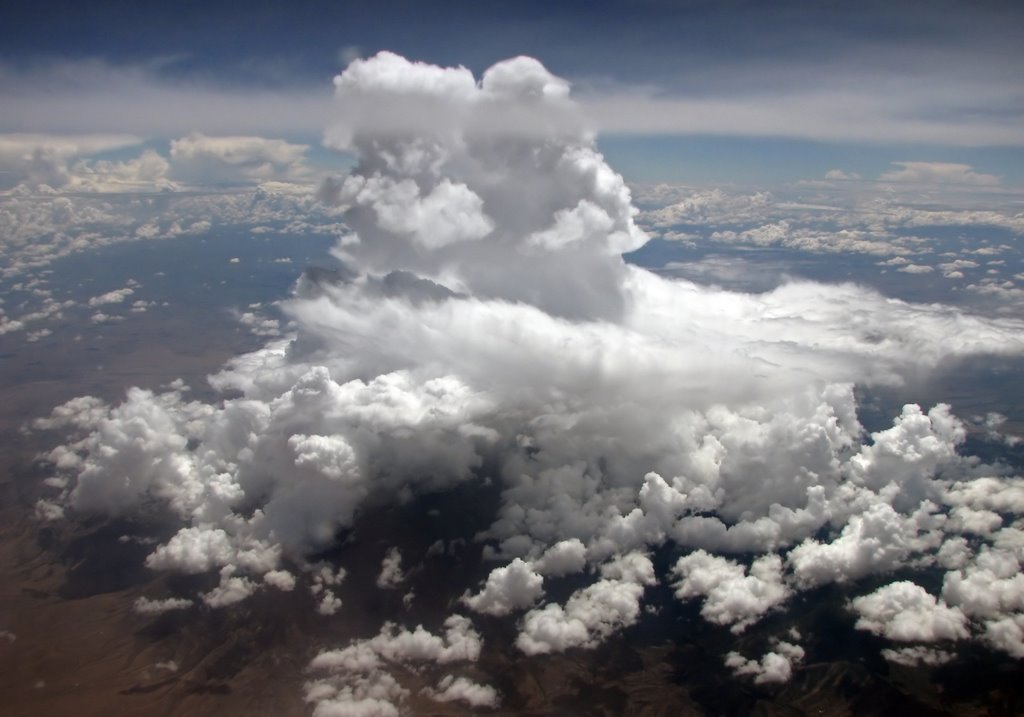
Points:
[484,327]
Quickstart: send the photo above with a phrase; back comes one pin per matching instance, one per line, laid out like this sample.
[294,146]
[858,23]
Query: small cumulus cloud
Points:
[916,269]
[391,575]
[938,173]
[358,679]
[112,297]
[775,666]
[841,176]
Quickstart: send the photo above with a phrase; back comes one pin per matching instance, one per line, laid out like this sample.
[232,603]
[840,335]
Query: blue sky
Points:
[736,92]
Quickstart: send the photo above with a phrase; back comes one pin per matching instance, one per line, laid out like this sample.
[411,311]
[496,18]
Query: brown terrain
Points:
[70,643]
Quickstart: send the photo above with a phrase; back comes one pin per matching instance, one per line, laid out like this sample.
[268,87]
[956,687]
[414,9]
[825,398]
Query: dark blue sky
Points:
[825,83]
[627,40]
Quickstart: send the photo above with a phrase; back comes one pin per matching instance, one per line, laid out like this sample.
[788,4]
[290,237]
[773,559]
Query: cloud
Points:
[565,557]
[732,597]
[918,655]
[42,159]
[68,164]
[591,615]
[358,679]
[193,550]
[91,96]
[817,113]
[391,575]
[259,325]
[482,330]
[840,175]
[916,269]
[203,160]
[232,589]
[938,173]
[280,579]
[708,206]
[907,457]
[877,540]
[145,606]
[112,297]
[513,587]
[462,689]
[326,577]
[905,612]
[99,96]
[991,586]
[1007,634]
[1002,495]
[147,172]
[774,666]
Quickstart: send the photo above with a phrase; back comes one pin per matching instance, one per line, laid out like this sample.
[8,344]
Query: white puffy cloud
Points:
[148,172]
[112,297]
[774,666]
[990,586]
[701,206]
[954,553]
[591,614]
[1006,634]
[459,643]
[840,175]
[329,603]
[203,160]
[733,595]
[437,151]
[938,173]
[260,325]
[40,159]
[963,519]
[232,589]
[462,689]
[67,163]
[565,557]
[916,269]
[907,457]
[509,588]
[1001,495]
[193,550]
[280,579]
[359,679]
[448,214]
[905,612]
[391,575]
[877,540]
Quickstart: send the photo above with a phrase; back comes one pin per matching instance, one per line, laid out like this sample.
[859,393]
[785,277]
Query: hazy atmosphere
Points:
[535,358]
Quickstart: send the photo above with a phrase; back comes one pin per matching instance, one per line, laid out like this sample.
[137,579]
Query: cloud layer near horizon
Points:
[932,103]
[484,316]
